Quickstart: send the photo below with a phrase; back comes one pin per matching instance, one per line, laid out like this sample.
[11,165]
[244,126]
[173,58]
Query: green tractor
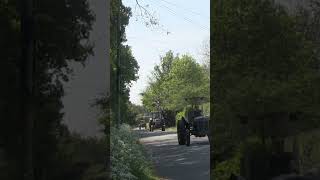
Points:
[193,122]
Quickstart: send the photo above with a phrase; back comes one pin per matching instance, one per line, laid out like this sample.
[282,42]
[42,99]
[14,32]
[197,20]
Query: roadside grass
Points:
[129,159]
[147,174]
[171,129]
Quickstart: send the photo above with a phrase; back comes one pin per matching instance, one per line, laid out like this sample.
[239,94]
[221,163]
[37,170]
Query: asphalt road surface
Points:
[177,162]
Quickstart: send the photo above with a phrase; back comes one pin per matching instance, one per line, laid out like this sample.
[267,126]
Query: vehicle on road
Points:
[157,121]
[143,120]
[142,124]
[193,122]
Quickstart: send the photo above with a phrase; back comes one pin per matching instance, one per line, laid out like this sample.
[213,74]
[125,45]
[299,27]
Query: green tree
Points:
[263,72]
[136,112]
[156,92]
[61,32]
[125,72]
[186,79]
[171,84]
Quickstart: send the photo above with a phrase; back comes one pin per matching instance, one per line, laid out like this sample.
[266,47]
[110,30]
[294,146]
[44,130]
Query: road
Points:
[175,162]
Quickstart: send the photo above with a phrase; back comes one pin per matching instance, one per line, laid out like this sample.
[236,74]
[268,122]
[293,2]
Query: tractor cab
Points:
[194,122]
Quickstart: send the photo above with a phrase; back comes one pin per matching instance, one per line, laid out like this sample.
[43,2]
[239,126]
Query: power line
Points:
[186,9]
[185,18]
[153,40]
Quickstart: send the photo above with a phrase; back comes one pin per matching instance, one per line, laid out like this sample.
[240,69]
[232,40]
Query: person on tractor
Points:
[151,124]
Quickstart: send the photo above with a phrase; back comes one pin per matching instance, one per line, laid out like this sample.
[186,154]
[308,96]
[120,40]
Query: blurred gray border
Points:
[92,81]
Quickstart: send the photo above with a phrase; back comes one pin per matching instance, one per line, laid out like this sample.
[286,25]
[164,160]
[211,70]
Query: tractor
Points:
[142,122]
[157,121]
[193,122]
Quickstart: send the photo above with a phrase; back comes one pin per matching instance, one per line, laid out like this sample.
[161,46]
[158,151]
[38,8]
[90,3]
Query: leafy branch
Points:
[149,18]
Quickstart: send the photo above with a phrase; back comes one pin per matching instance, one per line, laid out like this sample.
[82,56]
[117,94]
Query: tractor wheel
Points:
[188,137]
[181,131]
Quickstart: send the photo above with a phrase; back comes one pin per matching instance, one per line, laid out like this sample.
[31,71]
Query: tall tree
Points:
[61,31]
[263,72]
[128,66]
[173,80]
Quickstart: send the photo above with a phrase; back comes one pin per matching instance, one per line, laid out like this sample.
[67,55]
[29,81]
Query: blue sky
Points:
[188,22]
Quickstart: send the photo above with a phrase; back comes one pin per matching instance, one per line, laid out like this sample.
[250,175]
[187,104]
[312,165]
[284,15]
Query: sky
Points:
[188,24]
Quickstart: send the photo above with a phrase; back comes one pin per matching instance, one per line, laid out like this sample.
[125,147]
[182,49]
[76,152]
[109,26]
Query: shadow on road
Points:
[146,133]
[173,161]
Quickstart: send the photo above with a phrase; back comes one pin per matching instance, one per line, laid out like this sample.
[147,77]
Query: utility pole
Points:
[119,62]
[27,63]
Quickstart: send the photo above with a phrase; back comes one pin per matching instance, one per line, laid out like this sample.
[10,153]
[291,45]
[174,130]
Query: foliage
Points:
[224,169]
[179,115]
[155,92]
[136,112]
[251,147]
[253,144]
[173,80]
[128,158]
[80,158]
[261,66]
[61,30]
[125,72]
[264,69]
[206,109]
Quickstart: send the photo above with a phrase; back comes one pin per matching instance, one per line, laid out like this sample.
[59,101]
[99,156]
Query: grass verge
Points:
[129,159]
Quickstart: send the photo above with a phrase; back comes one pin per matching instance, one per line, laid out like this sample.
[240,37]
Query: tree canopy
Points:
[264,73]
[61,35]
[173,80]
[125,70]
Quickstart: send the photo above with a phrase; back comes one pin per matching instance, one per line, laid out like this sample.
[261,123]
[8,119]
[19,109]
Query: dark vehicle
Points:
[142,124]
[157,121]
[193,122]
[143,121]
[151,124]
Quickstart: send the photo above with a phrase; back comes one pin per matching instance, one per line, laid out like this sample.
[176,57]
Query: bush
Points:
[224,169]
[128,157]
[251,148]
[78,158]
